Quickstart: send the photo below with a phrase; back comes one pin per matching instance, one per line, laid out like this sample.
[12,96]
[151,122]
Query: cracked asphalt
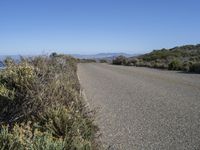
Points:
[143,108]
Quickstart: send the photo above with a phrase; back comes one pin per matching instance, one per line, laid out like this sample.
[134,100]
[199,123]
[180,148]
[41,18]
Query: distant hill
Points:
[3,57]
[1,64]
[101,55]
[15,57]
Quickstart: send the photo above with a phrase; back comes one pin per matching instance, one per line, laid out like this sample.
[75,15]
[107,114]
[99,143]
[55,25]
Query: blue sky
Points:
[94,26]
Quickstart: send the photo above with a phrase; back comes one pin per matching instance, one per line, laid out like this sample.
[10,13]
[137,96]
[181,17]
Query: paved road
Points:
[142,108]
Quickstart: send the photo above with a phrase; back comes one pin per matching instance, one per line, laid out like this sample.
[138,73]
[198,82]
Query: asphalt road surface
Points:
[142,108]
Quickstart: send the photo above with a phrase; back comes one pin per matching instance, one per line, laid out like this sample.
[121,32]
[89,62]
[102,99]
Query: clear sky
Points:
[94,26]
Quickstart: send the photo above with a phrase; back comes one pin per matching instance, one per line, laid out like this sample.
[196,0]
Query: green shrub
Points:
[133,61]
[64,122]
[160,66]
[174,65]
[120,60]
[103,61]
[8,61]
[16,81]
[186,66]
[60,130]
[46,92]
[195,68]
[87,60]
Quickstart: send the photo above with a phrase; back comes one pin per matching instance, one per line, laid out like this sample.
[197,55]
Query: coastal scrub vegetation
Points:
[185,58]
[41,106]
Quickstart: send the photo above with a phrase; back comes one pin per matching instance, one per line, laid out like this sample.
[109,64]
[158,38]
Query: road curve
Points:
[142,108]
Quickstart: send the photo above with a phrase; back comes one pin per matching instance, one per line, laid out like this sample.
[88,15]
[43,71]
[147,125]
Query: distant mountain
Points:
[101,55]
[15,57]
[1,64]
[3,57]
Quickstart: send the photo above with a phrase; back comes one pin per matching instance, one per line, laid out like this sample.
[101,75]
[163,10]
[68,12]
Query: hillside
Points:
[183,53]
[186,58]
